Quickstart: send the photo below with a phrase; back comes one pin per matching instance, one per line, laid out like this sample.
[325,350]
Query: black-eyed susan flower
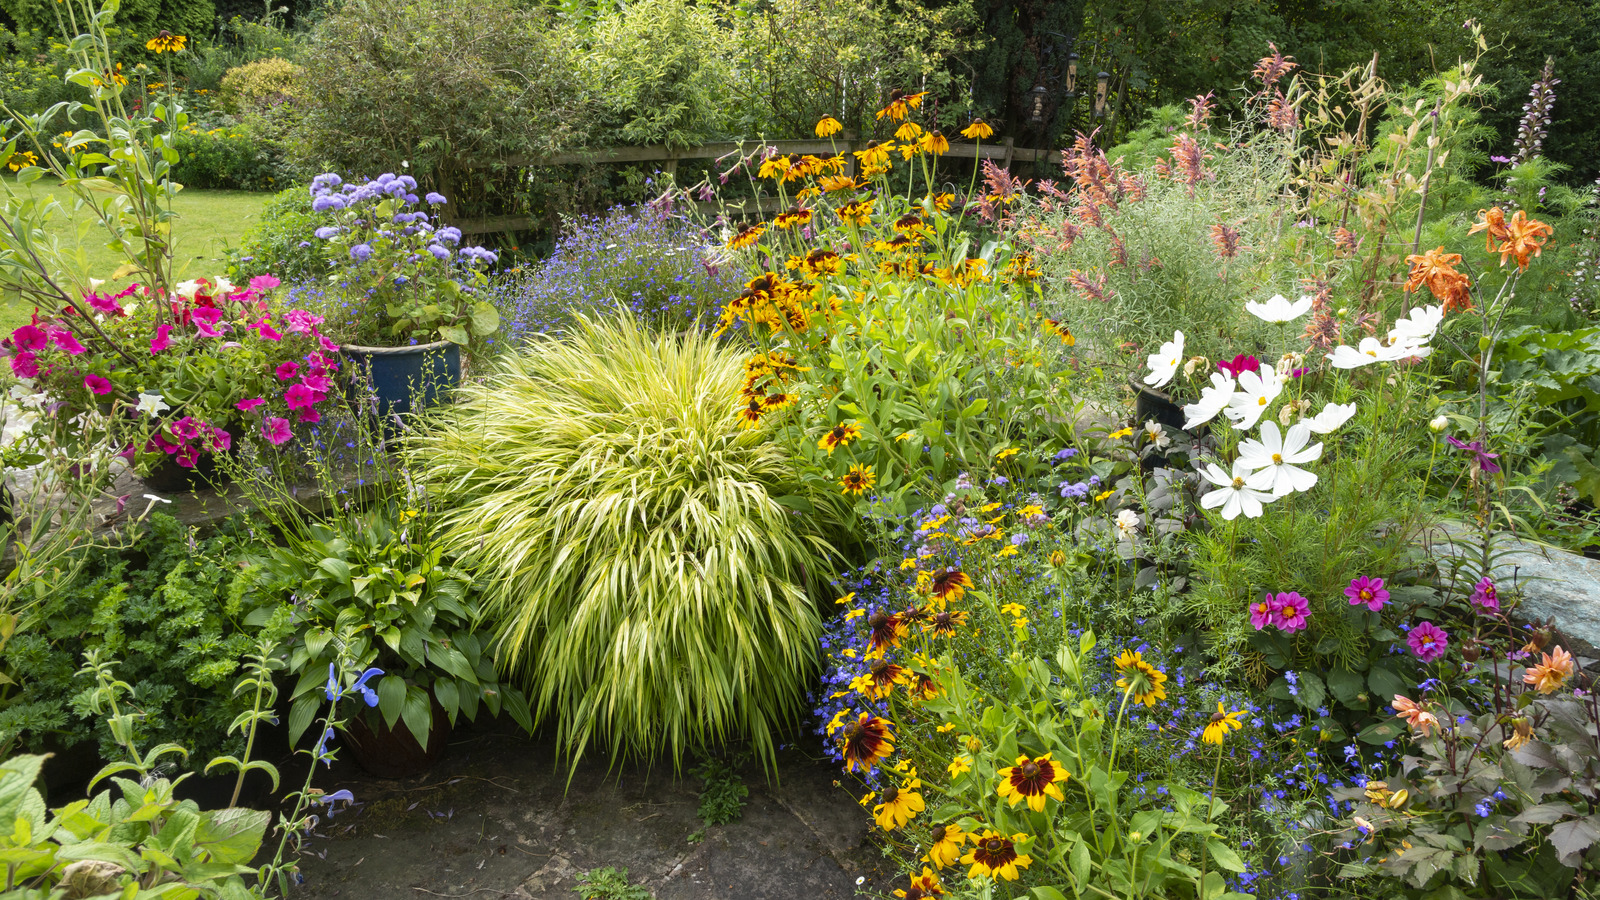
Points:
[864,742]
[947,622]
[839,435]
[880,679]
[750,415]
[900,103]
[1032,780]
[828,126]
[821,262]
[922,686]
[876,153]
[858,212]
[1146,682]
[908,132]
[996,856]
[950,584]
[1061,331]
[934,142]
[910,224]
[979,130]
[166,42]
[746,237]
[1221,723]
[774,167]
[901,803]
[942,200]
[961,764]
[922,886]
[775,402]
[21,160]
[797,215]
[947,846]
[858,480]
[885,629]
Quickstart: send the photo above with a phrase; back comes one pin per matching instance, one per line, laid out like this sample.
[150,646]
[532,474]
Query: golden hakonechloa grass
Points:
[641,574]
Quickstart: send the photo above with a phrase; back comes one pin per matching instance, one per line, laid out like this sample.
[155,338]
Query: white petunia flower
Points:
[152,404]
[1212,400]
[1234,493]
[1332,416]
[1164,362]
[1275,459]
[1279,309]
[1256,392]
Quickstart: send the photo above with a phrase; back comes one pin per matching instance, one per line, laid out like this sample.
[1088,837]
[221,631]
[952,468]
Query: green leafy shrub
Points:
[254,84]
[179,612]
[658,67]
[646,561]
[225,158]
[278,244]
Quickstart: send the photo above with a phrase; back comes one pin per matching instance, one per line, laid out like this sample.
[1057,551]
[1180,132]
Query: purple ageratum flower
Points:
[438,252]
[361,253]
[325,182]
[1428,641]
[1293,610]
[434,198]
[327,203]
[327,231]
[1369,591]
[1482,458]
[1484,595]
[450,234]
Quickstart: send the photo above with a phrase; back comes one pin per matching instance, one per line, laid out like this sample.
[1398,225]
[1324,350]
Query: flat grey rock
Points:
[1554,583]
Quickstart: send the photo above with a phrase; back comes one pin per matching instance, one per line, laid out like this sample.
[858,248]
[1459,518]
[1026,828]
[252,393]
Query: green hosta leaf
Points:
[449,697]
[418,714]
[391,698]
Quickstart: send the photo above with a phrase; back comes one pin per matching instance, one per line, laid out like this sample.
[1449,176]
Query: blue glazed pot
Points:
[404,379]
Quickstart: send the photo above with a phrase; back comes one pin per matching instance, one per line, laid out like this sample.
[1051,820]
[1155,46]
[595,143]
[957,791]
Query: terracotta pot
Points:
[394,752]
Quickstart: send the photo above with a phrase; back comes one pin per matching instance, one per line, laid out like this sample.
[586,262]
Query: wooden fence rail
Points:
[1003,151]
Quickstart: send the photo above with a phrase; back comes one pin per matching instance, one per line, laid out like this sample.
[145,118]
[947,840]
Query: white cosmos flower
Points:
[1234,493]
[1418,327]
[152,404]
[1279,309]
[1256,392]
[1212,401]
[1371,350]
[1164,362]
[1275,458]
[1127,524]
[1398,350]
[1332,416]
[1157,435]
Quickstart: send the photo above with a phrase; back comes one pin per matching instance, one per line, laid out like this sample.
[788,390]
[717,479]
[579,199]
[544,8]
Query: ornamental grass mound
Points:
[647,563]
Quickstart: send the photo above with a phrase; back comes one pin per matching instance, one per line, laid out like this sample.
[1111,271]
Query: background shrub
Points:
[256,84]
[642,556]
[225,158]
[656,73]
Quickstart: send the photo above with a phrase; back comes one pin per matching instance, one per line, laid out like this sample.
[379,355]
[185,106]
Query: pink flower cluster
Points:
[301,397]
[189,437]
[1286,611]
[1368,592]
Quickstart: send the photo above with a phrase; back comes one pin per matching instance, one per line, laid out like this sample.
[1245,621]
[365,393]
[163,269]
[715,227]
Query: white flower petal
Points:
[1331,418]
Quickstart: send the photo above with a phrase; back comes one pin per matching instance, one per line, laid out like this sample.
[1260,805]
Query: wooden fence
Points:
[1002,151]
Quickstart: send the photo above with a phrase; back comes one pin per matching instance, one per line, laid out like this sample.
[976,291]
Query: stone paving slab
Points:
[497,818]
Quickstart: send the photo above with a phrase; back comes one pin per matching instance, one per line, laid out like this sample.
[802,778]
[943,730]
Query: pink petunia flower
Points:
[301,322]
[1484,595]
[206,319]
[1369,591]
[264,328]
[1292,612]
[186,429]
[249,405]
[104,304]
[264,283]
[98,385]
[287,370]
[299,396]
[309,415]
[276,430]
[1428,641]
[220,441]
[66,341]
[327,345]
[29,337]
[162,340]
[187,456]
[317,382]
[1263,611]
[24,365]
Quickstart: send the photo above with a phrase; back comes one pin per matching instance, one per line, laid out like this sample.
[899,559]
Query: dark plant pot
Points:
[167,477]
[404,379]
[1150,404]
[394,752]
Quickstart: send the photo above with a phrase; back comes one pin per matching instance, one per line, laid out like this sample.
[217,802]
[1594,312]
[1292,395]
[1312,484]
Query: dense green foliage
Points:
[643,560]
[180,613]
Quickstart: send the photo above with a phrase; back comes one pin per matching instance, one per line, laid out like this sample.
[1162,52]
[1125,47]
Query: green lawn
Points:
[208,222]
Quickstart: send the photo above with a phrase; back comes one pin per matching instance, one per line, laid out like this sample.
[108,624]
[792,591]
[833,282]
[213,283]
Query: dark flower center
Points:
[1030,769]
[1217,717]
[891,794]
[994,845]
[878,666]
